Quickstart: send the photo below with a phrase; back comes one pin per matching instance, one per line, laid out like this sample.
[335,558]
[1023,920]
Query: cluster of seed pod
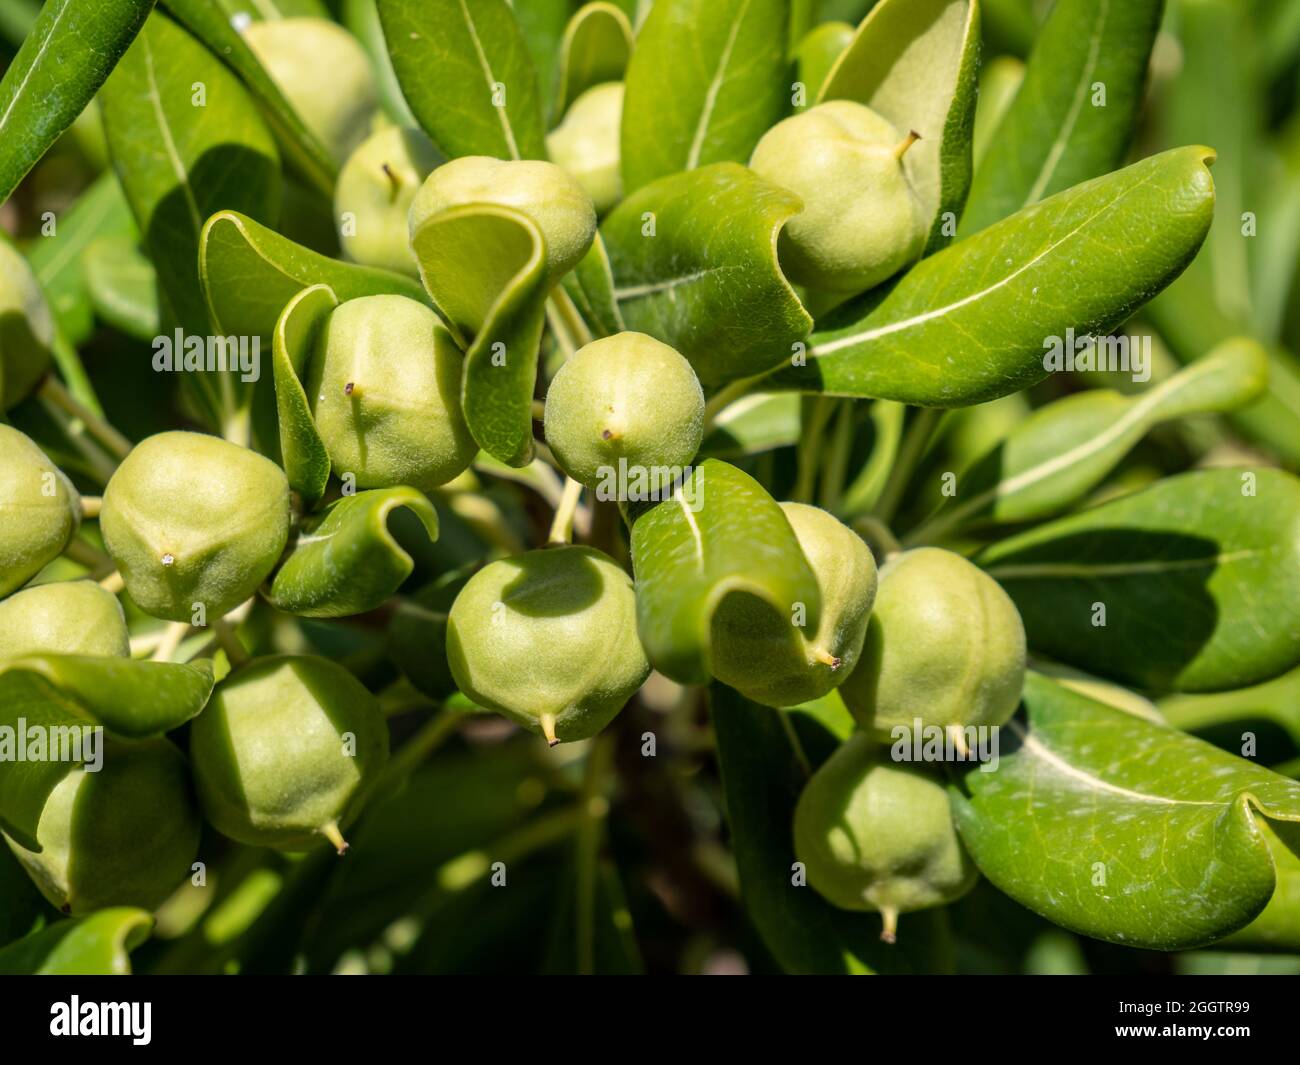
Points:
[288,748]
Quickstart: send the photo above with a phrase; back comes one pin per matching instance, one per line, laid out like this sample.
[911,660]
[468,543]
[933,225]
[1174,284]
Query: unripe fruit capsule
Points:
[384,384]
[124,835]
[549,639]
[324,74]
[374,194]
[65,617]
[878,835]
[286,751]
[548,195]
[586,143]
[862,221]
[945,645]
[626,398]
[765,655]
[192,519]
[39,510]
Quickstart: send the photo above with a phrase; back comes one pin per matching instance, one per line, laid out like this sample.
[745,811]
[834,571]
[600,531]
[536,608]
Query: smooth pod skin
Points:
[547,194]
[861,222]
[286,751]
[384,385]
[66,617]
[586,143]
[39,510]
[945,645]
[878,835]
[26,328]
[549,639]
[374,194]
[628,398]
[764,656]
[190,519]
[325,75]
[125,835]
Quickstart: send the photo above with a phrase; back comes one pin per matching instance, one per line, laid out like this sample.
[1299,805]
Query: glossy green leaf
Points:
[57,71]
[97,945]
[1230,714]
[100,211]
[762,775]
[694,262]
[718,533]
[346,560]
[485,267]
[1000,80]
[1199,577]
[754,423]
[250,272]
[123,286]
[816,56]
[466,73]
[916,63]
[1122,829]
[542,23]
[591,287]
[303,150]
[417,635]
[130,699]
[1278,926]
[23,910]
[179,162]
[706,80]
[361,17]
[1073,117]
[972,322]
[306,461]
[1067,448]
[596,47]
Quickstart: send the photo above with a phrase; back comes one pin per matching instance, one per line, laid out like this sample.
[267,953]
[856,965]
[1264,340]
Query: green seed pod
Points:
[765,656]
[325,75]
[39,510]
[66,617]
[862,221]
[945,645]
[191,519]
[286,751]
[556,202]
[586,143]
[627,397]
[26,328]
[374,193]
[125,835]
[549,639]
[385,389]
[878,835]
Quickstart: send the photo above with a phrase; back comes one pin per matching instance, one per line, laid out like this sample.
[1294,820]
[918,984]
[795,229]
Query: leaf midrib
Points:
[1058,147]
[939,312]
[715,87]
[31,69]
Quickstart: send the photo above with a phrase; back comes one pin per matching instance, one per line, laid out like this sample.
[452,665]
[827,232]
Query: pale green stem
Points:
[915,439]
[89,556]
[819,411]
[90,506]
[114,442]
[230,642]
[562,526]
[561,304]
[837,462]
[877,534]
[72,371]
